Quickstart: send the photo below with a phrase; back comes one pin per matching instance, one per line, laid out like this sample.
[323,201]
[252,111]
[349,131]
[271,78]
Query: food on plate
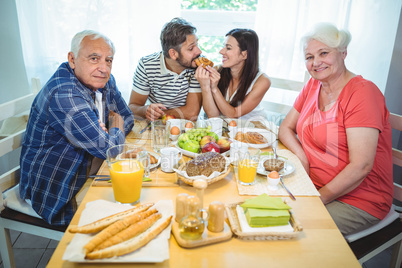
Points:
[115,228]
[131,244]
[206,139]
[233,123]
[133,154]
[204,61]
[175,131]
[273,164]
[255,138]
[250,137]
[166,117]
[104,222]
[205,164]
[211,147]
[189,125]
[240,136]
[131,231]
[224,144]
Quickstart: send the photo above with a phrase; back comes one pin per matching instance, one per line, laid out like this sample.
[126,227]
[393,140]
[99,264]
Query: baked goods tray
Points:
[189,180]
[206,239]
[236,229]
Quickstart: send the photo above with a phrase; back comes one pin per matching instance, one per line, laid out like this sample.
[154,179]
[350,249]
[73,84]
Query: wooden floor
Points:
[34,252]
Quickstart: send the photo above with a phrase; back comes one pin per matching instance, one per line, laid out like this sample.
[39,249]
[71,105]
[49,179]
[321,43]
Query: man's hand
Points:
[103,126]
[116,120]
[155,111]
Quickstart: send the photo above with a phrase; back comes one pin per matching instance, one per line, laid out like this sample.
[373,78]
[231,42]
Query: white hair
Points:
[77,39]
[329,35]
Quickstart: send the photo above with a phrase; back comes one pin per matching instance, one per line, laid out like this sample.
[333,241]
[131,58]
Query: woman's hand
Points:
[215,76]
[203,77]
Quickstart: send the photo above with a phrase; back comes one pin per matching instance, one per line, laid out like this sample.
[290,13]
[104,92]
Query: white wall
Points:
[13,78]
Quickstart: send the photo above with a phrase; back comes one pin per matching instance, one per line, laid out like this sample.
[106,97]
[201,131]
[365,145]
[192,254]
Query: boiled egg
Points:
[233,123]
[189,125]
[175,131]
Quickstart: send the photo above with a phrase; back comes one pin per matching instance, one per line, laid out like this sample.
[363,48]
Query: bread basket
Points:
[189,180]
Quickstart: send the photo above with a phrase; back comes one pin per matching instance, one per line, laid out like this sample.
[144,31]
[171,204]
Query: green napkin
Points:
[271,153]
[266,217]
[146,179]
[264,201]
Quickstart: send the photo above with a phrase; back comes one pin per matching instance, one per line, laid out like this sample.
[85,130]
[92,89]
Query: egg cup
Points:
[174,137]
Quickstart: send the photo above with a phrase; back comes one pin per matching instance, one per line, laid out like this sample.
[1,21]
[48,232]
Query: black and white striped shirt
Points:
[152,78]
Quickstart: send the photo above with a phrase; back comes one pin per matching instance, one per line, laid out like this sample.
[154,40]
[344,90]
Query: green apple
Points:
[182,139]
[191,146]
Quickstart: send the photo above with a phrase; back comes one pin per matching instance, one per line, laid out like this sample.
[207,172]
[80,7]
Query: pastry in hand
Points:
[204,61]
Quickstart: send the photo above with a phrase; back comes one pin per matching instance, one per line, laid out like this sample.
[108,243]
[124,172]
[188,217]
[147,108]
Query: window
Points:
[47,27]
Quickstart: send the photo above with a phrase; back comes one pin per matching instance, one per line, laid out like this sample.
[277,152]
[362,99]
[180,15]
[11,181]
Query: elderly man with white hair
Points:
[76,116]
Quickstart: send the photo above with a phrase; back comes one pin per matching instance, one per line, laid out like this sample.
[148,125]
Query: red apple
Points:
[166,117]
[211,147]
[205,140]
[224,144]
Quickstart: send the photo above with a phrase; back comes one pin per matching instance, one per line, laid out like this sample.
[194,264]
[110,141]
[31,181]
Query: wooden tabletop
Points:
[320,244]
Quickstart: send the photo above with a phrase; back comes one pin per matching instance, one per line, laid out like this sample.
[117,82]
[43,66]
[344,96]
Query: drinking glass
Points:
[247,164]
[127,164]
[160,135]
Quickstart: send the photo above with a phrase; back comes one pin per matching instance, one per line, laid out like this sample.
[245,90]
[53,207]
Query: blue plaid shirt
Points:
[62,134]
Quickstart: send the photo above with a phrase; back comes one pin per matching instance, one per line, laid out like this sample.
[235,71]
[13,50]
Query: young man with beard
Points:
[166,79]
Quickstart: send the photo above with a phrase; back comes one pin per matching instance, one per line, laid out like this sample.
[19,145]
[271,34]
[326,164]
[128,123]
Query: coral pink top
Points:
[324,140]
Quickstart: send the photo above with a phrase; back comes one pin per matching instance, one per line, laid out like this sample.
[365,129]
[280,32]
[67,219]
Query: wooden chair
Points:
[11,219]
[368,243]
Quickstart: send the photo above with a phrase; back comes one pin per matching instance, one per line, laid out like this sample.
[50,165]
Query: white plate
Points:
[157,250]
[157,158]
[266,133]
[288,168]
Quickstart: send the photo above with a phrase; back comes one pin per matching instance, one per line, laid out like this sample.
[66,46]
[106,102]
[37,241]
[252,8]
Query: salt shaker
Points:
[181,206]
[216,217]
[200,185]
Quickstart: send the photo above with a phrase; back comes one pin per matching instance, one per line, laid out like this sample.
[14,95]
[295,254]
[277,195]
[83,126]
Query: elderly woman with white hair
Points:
[339,129]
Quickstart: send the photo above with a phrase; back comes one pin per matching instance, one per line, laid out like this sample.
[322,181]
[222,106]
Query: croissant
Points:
[204,61]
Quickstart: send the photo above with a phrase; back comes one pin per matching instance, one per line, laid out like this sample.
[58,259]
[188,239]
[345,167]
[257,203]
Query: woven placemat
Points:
[299,183]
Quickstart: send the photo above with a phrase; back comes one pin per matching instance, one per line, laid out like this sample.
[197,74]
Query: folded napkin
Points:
[264,201]
[265,211]
[266,217]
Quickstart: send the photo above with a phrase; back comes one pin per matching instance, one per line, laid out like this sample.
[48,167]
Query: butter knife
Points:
[145,128]
[287,190]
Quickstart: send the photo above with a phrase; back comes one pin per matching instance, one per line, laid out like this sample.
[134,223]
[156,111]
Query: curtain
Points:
[134,26]
[281,24]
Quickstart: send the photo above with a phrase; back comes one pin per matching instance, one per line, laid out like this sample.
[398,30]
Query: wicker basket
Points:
[236,229]
[190,181]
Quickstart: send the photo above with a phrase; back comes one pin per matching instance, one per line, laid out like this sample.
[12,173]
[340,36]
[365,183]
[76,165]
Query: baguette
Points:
[101,224]
[130,245]
[115,228]
[130,232]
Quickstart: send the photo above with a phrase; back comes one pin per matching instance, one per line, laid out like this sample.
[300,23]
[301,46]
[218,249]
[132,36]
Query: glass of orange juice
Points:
[246,169]
[126,166]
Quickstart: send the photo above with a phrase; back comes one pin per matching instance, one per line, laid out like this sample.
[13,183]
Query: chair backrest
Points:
[396,124]
[11,144]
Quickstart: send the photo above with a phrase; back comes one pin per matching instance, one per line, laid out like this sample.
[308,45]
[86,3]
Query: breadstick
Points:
[115,228]
[132,244]
[101,224]
[130,232]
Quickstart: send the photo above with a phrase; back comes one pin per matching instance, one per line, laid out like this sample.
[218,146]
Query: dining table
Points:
[319,244]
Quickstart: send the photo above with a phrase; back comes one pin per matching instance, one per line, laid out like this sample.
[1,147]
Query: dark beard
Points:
[185,64]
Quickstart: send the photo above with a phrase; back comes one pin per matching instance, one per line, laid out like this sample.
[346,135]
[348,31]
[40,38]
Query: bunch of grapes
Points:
[196,134]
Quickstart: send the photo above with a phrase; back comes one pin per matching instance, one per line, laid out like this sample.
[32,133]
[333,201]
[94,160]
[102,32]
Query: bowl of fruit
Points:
[201,140]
